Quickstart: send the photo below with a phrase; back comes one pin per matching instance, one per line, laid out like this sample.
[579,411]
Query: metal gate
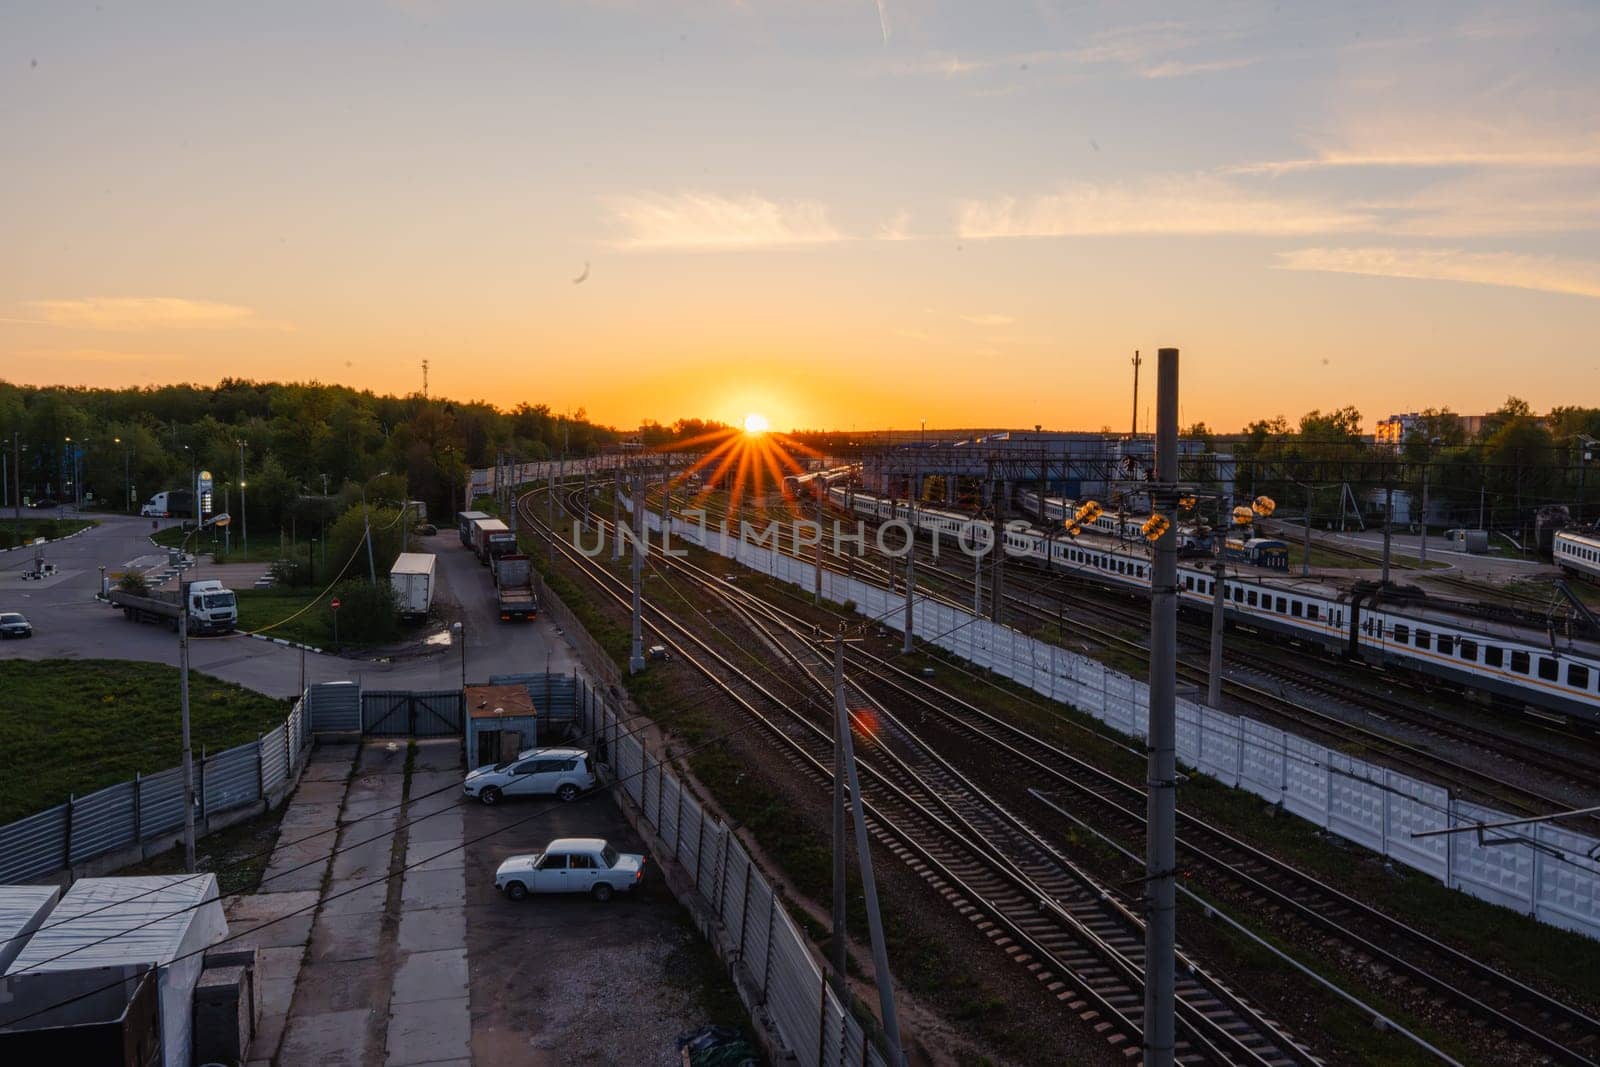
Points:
[401,713]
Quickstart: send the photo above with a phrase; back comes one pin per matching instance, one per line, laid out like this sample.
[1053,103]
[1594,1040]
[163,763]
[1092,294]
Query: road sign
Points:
[334,603]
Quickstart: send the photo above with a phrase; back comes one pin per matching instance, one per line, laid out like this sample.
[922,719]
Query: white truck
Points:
[212,606]
[413,581]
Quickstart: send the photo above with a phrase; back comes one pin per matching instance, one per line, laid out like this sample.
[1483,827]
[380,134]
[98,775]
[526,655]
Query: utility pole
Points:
[636,656]
[1136,361]
[16,465]
[880,955]
[1423,526]
[1161,813]
[244,512]
[1305,563]
[1388,514]
[839,944]
[366,525]
[616,513]
[1214,688]
[816,554]
[997,578]
[183,707]
[911,568]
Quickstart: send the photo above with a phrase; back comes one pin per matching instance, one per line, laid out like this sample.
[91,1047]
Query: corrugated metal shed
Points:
[166,920]
[22,910]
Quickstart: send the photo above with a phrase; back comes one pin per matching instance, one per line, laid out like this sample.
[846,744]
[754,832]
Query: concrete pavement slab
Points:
[298,872]
[365,849]
[309,818]
[429,1031]
[350,896]
[280,962]
[359,808]
[317,792]
[433,856]
[339,985]
[433,928]
[326,1038]
[328,769]
[382,756]
[441,973]
[445,827]
[433,889]
[440,755]
[353,936]
[291,910]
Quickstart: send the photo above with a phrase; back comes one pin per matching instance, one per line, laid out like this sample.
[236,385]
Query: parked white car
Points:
[564,772]
[571,865]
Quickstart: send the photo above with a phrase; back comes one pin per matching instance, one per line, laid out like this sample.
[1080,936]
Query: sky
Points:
[840,214]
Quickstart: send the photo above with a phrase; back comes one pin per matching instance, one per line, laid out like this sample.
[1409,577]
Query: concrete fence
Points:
[1544,871]
[126,822]
[774,963]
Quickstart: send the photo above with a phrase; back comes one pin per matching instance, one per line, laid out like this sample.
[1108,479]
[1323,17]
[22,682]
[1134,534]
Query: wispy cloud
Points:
[1179,69]
[897,228]
[1191,204]
[1552,274]
[989,320]
[145,313]
[707,221]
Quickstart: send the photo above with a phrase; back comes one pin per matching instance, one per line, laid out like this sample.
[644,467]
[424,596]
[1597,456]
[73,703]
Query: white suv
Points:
[564,772]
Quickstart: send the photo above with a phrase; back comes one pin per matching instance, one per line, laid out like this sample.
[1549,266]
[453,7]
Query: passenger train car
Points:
[1488,656]
[1578,553]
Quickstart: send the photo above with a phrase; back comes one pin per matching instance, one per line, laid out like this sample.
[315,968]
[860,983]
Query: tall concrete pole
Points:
[636,656]
[1305,564]
[911,571]
[1161,807]
[816,555]
[997,577]
[1214,688]
[183,708]
[244,512]
[1388,517]
[839,944]
[1423,526]
[880,955]
[1136,362]
[616,514]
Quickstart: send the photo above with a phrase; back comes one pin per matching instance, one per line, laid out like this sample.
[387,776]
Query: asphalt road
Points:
[69,623]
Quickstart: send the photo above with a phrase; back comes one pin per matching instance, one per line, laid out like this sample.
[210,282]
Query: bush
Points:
[367,613]
[133,582]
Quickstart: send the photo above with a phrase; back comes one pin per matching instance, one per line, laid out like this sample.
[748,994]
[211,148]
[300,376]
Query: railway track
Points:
[1070,932]
[1419,970]
[1370,740]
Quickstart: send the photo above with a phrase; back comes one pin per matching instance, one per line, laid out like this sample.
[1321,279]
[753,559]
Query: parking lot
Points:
[402,951]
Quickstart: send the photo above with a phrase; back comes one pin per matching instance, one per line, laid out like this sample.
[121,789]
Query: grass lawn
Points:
[80,725]
[32,528]
[260,608]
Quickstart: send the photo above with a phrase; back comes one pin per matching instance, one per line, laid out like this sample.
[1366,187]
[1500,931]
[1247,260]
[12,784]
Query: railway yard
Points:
[1009,827]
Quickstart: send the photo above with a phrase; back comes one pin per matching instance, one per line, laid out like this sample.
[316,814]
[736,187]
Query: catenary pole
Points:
[1214,679]
[997,576]
[1160,855]
[183,708]
[839,943]
[1388,523]
[911,564]
[636,655]
[880,954]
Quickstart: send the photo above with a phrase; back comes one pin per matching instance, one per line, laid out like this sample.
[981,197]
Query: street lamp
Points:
[127,482]
[72,471]
[244,512]
[461,638]
[183,704]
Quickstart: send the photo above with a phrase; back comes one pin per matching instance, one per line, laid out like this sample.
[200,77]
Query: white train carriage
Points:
[1578,554]
[1487,657]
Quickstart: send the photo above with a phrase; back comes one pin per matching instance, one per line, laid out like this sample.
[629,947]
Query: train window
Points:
[1494,655]
[1519,661]
[1424,639]
[1296,609]
[1188,582]
[1549,669]
[1283,606]
[1312,612]
[1578,675]
[1469,649]
[1402,634]
[1238,594]
[1446,644]
[1250,598]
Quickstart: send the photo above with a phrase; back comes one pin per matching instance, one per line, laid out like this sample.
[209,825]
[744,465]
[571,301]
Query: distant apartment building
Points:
[1392,432]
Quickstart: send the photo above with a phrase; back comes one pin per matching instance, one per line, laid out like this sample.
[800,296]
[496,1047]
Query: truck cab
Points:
[212,606]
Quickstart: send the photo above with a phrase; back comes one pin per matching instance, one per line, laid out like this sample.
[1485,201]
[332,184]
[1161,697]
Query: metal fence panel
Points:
[231,780]
[103,821]
[1501,874]
[33,846]
[733,881]
[1569,881]
[758,928]
[651,790]
[335,707]
[1412,808]
[630,761]
[689,836]
[274,758]
[833,1014]
[386,714]
[711,843]
[668,825]
[1306,784]
[794,994]
[437,713]
[160,802]
[855,1042]
[1355,800]
[1263,765]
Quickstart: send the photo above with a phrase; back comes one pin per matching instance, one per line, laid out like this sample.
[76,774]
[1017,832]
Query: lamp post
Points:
[16,466]
[127,480]
[244,512]
[71,471]
[460,633]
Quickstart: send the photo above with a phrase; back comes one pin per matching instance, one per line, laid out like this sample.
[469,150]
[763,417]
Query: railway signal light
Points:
[1243,516]
[1156,527]
[1263,506]
[1187,503]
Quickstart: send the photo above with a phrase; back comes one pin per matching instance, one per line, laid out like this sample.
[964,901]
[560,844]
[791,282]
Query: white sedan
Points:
[571,865]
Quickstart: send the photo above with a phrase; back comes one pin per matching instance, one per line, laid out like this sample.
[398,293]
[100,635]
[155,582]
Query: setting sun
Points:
[754,423]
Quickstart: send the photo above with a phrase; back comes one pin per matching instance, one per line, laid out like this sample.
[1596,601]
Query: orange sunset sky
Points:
[841,214]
